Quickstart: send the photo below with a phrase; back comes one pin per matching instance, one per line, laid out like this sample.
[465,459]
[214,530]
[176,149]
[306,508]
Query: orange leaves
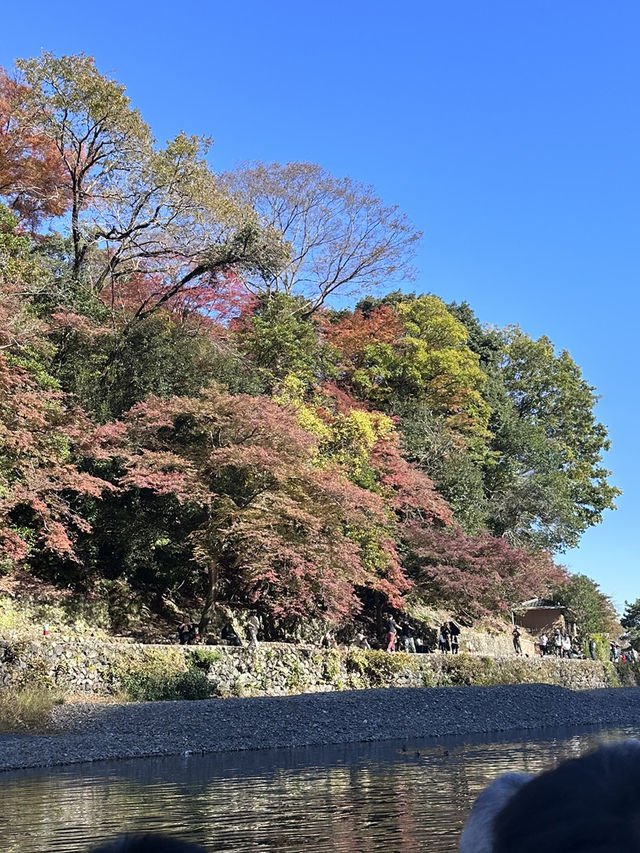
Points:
[351,333]
[32,174]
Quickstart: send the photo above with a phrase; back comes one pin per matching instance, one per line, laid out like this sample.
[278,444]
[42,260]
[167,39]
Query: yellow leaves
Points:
[291,393]
[437,365]
[291,390]
[360,429]
[428,319]
[345,438]
[308,419]
[350,440]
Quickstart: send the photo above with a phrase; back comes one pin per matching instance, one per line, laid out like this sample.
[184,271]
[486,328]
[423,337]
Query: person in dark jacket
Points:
[443,638]
[408,638]
[392,632]
[517,646]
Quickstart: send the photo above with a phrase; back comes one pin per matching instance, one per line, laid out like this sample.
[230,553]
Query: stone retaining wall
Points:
[94,666]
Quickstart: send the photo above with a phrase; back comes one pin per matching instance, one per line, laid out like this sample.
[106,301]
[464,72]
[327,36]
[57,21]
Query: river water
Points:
[360,798]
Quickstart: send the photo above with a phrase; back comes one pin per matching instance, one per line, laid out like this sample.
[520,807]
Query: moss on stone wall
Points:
[172,672]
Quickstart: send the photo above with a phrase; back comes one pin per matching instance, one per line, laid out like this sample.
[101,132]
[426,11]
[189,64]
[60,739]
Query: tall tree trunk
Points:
[378,611]
[75,228]
[79,243]
[210,598]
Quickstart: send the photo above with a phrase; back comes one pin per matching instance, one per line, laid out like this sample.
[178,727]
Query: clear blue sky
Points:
[508,131]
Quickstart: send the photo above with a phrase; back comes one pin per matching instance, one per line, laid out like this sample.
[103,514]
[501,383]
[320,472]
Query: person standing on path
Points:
[253,624]
[557,642]
[408,638]
[592,648]
[543,642]
[455,644]
[454,631]
[184,632]
[566,646]
[443,639]
[516,641]
[392,633]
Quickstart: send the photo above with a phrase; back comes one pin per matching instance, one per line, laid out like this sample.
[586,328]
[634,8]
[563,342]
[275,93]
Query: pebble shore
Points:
[94,732]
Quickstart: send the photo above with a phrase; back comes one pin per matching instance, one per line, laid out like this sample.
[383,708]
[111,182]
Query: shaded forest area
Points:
[190,416]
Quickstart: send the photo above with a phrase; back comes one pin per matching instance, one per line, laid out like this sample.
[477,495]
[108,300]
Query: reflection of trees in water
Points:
[399,801]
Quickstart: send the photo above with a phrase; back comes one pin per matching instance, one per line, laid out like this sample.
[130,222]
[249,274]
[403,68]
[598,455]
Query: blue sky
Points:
[508,131]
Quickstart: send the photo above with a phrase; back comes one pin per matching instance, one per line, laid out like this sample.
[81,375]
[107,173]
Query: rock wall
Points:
[94,666]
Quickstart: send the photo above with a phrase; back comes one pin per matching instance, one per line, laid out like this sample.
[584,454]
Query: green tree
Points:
[592,609]
[170,357]
[546,483]
[459,475]
[279,341]
[631,621]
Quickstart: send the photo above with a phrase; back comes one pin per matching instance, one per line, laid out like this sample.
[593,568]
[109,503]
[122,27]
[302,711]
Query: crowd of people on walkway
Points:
[561,644]
[618,654]
[402,636]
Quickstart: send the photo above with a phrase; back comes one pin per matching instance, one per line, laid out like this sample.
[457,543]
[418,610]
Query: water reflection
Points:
[361,798]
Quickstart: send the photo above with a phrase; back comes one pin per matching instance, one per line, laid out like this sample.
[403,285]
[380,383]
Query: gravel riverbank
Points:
[102,732]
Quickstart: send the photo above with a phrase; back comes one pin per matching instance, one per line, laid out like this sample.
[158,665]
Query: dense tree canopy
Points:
[185,412]
[587,604]
[293,537]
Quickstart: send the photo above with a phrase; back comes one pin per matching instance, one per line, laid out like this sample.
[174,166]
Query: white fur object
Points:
[477,835]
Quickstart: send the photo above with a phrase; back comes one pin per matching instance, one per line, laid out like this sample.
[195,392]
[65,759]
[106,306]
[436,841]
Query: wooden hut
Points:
[538,615]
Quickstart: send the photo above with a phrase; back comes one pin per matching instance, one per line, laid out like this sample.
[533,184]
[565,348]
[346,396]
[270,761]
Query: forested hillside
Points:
[189,411]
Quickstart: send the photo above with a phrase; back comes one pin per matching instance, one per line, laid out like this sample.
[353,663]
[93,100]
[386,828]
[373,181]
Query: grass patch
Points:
[28,709]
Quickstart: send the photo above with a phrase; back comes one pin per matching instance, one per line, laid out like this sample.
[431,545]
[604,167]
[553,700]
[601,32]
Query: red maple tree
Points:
[477,575]
[277,530]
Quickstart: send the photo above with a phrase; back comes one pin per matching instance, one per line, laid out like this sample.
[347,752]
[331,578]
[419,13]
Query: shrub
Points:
[622,674]
[378,668]
[203,659]
[602,647]
[462,669]
[144,686]
[331,665]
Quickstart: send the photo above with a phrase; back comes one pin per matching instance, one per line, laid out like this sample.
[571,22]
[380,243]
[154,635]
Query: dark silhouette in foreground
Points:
[585,805]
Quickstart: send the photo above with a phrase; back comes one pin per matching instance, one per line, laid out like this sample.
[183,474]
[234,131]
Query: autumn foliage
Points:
[184,413]
[38,477]
[277,530]
[32,172]
[478,575]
